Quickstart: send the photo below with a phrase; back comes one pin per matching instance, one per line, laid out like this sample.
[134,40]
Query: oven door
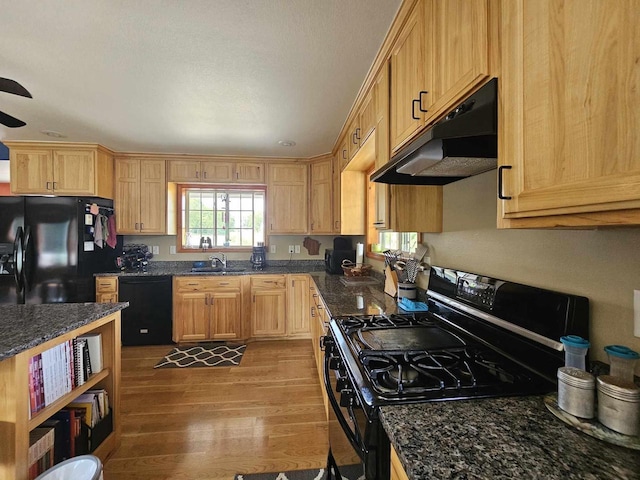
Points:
[348,424]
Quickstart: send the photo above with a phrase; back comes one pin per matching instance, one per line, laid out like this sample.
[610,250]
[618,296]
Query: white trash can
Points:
[82,467]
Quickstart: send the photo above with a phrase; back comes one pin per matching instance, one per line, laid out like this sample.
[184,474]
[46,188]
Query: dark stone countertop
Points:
[26,326]
[183,268]
[499,438]
[358,299]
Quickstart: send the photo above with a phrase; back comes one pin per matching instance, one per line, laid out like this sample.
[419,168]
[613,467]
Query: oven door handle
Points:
[336,408]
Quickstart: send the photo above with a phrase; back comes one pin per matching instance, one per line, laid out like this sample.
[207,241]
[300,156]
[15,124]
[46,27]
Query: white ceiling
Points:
[228,77]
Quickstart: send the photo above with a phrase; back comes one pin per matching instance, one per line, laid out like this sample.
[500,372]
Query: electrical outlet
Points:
[272,248]
[172,249]
[297,248]
[291,248]
[156,250]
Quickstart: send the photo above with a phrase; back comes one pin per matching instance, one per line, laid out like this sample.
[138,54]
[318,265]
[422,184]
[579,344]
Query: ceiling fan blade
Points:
[11,86]
[11,122]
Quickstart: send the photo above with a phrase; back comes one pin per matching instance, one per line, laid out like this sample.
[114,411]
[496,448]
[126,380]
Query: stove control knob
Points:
[346,397]
[334,363]
[342,383]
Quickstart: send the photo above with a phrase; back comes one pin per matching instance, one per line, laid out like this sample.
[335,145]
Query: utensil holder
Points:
[407,290]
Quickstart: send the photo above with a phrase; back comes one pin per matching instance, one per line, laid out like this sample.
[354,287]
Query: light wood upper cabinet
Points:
[569,124]
[60,169]
[215,171]
[335,193]
[449,39]
[410,67]
[249,173]
[415,208]
[268,306]
[321,196]
[298,307]
[141,196]
[460,51]
[287,202]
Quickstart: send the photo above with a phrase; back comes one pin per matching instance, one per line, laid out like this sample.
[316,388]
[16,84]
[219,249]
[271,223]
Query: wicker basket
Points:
[357,271]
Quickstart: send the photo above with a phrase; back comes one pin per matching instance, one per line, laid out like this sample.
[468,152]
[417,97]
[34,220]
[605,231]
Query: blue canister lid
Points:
[621,351]
[575,341]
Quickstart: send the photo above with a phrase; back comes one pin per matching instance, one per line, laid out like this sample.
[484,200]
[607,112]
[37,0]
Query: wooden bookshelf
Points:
[15,423]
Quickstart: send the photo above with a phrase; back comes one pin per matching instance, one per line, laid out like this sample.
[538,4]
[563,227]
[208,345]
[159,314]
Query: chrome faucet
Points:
[218,257]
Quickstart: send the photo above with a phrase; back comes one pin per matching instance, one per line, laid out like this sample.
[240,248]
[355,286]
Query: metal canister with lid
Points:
[576,392]
[619,404]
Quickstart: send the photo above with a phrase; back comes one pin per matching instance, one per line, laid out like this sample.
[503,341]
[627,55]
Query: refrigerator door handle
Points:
[18,257]
[27,268]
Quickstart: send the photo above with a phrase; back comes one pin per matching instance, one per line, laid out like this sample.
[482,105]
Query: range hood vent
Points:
[462,144]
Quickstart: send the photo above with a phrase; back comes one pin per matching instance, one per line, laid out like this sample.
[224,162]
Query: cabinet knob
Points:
[197,174]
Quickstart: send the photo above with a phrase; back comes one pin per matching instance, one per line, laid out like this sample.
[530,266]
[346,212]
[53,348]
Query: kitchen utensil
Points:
[575,351]
[411,266]
[420,252]
[390,281]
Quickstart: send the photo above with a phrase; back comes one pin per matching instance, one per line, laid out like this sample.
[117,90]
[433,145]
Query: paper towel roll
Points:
[359,253]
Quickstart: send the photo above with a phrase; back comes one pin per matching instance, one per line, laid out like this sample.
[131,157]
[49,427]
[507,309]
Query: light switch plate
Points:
[272,248]
[297,248]
[172,249]
[156,250]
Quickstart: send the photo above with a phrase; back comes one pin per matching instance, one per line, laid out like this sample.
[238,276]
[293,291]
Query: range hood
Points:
[462,144]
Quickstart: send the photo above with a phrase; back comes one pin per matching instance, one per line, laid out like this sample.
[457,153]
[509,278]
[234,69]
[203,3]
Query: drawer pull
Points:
[224,283]
[192,284]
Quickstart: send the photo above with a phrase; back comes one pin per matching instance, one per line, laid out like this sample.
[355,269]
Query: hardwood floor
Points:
[264,415]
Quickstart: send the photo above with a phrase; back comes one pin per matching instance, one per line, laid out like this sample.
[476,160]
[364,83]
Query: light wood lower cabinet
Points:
[298,311]
[397,470]
[206,308]
[319,321]
[107,289]
[268,306]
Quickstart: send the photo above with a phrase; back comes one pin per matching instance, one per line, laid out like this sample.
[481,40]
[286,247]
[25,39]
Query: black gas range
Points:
[481,337]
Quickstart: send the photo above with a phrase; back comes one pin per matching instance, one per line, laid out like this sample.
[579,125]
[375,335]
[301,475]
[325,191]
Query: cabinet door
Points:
[268,312]
[569,126]
[127,201]
[320,201]
[367,116]
[225,315]
[249,173]
[216,172]
[184,171]
[409,67]
[335,193]
[287,199]
[460,50]
[298,305]
[153,196]
[74,172]
[403,200]
[191,311]
[31,171]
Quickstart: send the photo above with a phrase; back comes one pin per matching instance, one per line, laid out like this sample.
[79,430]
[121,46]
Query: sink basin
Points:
[216,269]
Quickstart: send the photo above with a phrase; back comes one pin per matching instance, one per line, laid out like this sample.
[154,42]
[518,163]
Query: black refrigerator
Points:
[48,252]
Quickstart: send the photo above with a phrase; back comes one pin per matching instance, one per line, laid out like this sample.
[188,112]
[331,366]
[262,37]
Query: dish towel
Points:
[98,235]
[111,231]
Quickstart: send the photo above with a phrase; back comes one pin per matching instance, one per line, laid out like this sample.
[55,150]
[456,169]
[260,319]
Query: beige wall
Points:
[281,242]
[603,265]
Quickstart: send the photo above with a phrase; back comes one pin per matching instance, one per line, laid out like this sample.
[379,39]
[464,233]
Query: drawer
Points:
[268,281]
[106,284]
[194,284]
[107,298]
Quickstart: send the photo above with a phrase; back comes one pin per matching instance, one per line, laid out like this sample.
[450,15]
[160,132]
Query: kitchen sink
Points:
[217,269]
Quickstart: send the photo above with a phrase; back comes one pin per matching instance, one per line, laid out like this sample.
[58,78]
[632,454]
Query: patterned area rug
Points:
[348,473]
[204,355]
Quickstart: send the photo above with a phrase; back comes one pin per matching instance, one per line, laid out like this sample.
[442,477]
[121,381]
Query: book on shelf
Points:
[60,449]
[41,450]
[58,370]
[94,344]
